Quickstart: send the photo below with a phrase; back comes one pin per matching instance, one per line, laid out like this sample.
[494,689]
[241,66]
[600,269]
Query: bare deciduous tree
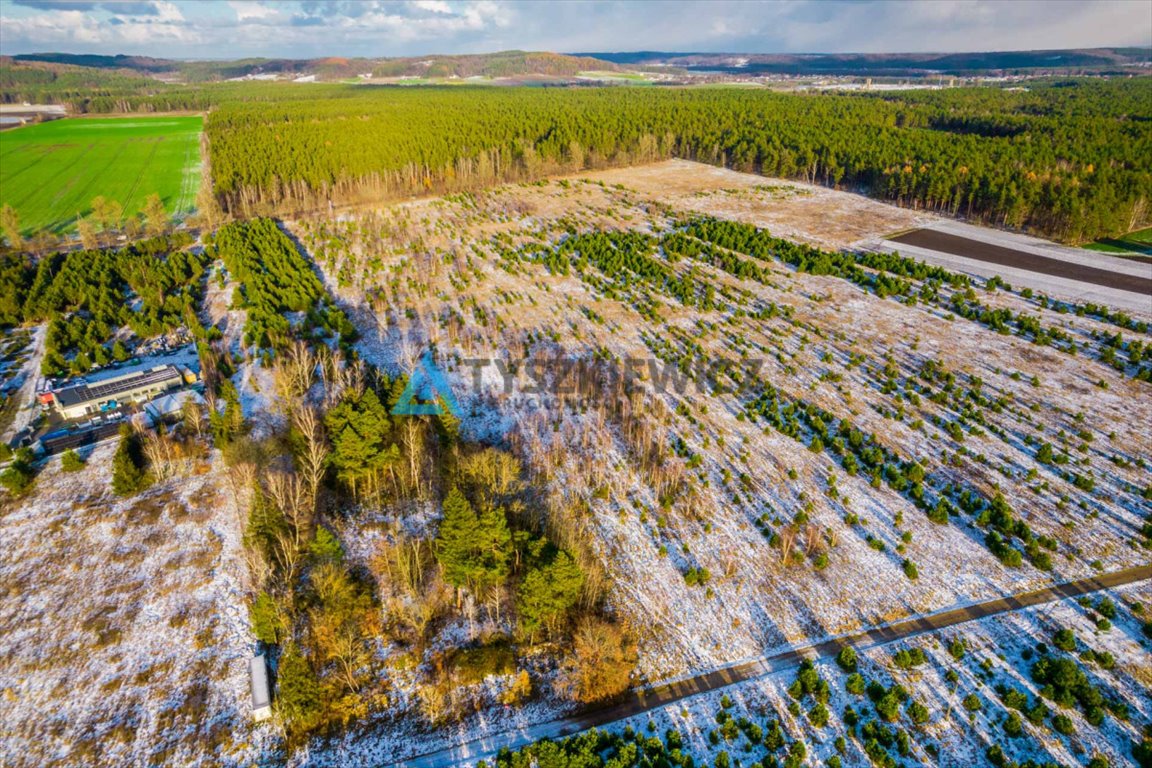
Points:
[314,453]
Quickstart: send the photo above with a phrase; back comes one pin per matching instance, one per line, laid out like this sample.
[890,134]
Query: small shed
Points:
[172,403]
[261,692]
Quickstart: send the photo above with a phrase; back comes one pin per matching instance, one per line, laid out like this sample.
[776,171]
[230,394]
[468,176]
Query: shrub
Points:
[847,658]
[603,660]
[910,570]
[918,713]
[1064,640]
[19,475]
[1014,698]
[908,658]
[697,577]
[855,684]
[957,649]
[70,461]
[1013,727]
[1063,724]
[1038,713]
[972,703]
[818,715]
[472,665]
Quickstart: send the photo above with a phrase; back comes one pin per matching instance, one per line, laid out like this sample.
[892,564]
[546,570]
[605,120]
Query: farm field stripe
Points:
[94,178]
[997,254]
[50,170]
[143,168]
[642,700]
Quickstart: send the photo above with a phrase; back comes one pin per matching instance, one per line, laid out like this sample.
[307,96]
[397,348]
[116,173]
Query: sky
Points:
[226,29]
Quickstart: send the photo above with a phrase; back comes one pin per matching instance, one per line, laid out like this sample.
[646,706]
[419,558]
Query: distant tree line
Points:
[1067,159]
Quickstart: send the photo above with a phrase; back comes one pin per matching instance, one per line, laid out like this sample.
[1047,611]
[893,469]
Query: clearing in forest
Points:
[51,172]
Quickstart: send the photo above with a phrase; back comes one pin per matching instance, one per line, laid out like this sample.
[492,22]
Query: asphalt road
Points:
[946,242]
[642,700]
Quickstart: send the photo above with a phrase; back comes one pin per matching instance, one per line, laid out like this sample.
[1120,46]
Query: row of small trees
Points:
[102,226]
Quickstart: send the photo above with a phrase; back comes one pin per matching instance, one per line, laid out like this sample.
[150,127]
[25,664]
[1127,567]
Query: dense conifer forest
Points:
[1064,159]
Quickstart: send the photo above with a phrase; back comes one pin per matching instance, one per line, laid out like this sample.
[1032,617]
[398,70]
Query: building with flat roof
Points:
[261,691]
[84,399]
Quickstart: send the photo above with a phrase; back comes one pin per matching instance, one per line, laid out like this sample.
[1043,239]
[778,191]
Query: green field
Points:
[1138,242]
[51,171]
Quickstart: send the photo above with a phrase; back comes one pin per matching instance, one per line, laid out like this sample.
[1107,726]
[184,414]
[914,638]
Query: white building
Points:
[85,399]
[261,692]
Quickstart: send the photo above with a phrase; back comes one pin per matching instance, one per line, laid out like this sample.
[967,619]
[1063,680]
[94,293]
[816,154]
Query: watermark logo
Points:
[427,393]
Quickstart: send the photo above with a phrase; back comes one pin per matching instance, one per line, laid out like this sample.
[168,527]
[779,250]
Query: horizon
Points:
[305,29]
[593,54]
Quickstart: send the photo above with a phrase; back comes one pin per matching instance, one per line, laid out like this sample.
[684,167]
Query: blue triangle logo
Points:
[427,393]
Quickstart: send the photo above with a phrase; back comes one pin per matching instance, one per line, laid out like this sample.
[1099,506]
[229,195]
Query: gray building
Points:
[85,399]
[261,691]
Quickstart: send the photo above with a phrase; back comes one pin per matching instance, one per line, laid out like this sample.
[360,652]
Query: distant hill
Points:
[502,64]
[137,63]
[892,64]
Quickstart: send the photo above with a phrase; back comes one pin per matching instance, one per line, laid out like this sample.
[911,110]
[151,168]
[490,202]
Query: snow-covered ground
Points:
[124,634]
[27,377]
[429,273]
[1000,651]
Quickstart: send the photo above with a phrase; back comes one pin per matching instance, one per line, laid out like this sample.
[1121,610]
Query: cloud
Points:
[247,10]
[57,5]
[308,28]
[126,27]
[119,7]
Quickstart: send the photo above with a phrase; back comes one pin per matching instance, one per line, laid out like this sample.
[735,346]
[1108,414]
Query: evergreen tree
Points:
[298,690]
[20,474]
[473,550]
[267,623]
[548,593]
[326,547]
[128,468]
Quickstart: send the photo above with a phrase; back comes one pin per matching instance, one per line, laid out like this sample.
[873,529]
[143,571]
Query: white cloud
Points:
[247,10]
[434,6]
[306,28]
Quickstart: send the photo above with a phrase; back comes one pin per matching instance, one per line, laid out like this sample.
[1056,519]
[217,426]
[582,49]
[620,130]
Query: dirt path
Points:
[29,374]
[642,700]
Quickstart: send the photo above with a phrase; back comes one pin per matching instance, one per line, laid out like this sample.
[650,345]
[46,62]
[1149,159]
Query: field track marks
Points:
[63,187]
[189,179]
[32,149]
[143,167]
[96,177]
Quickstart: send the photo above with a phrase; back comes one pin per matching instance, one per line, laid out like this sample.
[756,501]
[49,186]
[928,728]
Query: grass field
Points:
[50,172]
[1138,242]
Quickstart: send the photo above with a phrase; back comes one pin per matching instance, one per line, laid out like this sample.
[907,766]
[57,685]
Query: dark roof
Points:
[106,390]
[60,440]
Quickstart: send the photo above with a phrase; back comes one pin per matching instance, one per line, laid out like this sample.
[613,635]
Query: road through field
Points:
[642,700]
[946,242]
